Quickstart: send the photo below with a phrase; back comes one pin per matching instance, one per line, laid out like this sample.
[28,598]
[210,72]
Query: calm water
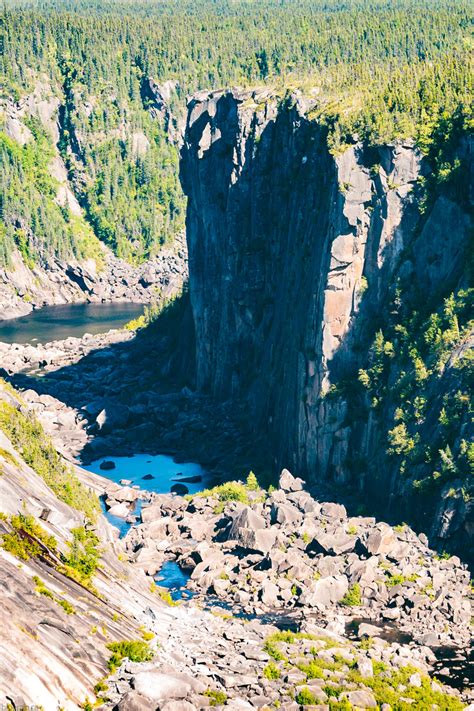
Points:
[54,323]
[150,472]
[156,473]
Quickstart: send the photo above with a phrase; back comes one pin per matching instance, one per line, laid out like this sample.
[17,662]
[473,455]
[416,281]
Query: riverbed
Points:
[55,323]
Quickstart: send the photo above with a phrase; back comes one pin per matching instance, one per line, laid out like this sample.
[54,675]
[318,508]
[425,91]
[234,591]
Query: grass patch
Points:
[397,579]
[135,650]
[271,671]
[165,595]
[27,538]
[217,698]
[8,456]
[353,597]
[304,697]
[386,689]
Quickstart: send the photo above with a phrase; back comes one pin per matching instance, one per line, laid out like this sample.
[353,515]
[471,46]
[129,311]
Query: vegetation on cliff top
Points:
[381,69]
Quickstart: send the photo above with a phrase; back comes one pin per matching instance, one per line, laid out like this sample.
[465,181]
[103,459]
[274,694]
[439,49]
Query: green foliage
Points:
[41,589]
[313,670]
[353,597]
[391,687]
[37,450]
[165,595]
[229,491]
[26,538]
[382,69]
[393,579]
[252,483]
[305,697]
[135,650]
[30,219]
[217,698]
[8,456]
[67,607]
[407,362]
[271,671]
[82,560]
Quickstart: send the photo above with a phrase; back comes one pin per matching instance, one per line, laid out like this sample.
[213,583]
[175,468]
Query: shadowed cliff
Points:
[299,261]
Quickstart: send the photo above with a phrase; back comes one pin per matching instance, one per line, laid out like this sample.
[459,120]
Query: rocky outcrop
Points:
[284,552]
[54,630]
[294,255]
[23,287]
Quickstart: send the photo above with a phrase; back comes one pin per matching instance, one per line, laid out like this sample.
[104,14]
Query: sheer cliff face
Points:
[292,252]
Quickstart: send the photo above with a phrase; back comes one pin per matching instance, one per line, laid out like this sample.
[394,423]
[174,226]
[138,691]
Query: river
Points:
[55,323]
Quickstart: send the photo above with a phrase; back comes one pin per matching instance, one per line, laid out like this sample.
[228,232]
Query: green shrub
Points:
[67,607]
[82,560]
[25,540]
[271,671]
[304,697]
[136,650]
[217,698]
[313,670]
[353,597]
[252,483]
[165,595]
[230,491]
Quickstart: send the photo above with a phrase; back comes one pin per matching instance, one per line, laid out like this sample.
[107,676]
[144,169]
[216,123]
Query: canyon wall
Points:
[295,256]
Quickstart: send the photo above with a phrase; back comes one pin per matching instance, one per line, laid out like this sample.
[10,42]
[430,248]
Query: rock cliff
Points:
[297,257]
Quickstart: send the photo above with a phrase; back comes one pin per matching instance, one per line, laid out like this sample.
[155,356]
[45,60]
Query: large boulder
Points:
[333,511]
[120,510]
[112,418]
[133,701]
[381,540]
[261,540]
[269,593]
[160,687]
[333,543]
[361,698]
[285,514]
[288,482]
[325,592]
[247,518]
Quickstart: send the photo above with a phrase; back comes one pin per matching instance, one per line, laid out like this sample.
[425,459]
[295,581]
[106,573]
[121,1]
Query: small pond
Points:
[55,323]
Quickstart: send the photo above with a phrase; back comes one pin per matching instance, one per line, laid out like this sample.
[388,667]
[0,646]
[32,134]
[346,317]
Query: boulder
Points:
[325,592]
[133,701]
[112,418]
[285,514]
[180,489]
[178,706]
[334,543]
[151,513]
[261,540]
[107,465]
[368,630]
[160,687]
[288,482]
[333,511]
[269,593]
[361,698]
[381,540]
[365,667]
[120,510]
[248,519]
[127,494]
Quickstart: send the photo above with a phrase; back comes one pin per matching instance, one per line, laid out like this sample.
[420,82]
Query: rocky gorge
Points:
[294,600]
